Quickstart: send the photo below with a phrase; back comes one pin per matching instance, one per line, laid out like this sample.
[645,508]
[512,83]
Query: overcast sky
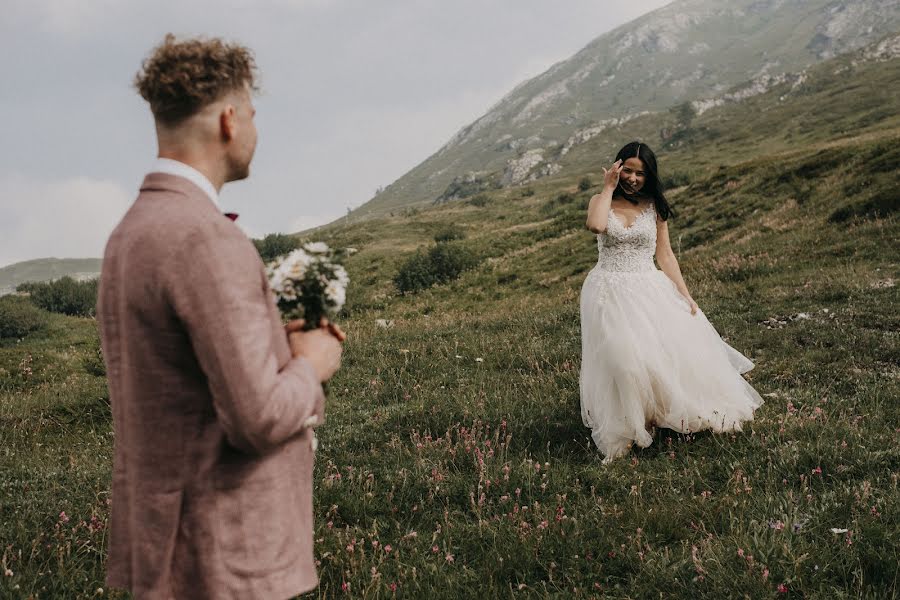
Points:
[354,94]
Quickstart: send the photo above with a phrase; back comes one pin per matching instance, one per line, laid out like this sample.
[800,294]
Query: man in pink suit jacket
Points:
[212,397]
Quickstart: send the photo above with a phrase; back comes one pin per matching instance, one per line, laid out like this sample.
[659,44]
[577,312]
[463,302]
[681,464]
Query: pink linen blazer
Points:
[213,459]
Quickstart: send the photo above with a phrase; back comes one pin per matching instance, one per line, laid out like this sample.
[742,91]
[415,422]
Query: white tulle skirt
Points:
[646,360]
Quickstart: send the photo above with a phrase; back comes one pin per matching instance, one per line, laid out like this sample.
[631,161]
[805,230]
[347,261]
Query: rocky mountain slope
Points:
[705,52]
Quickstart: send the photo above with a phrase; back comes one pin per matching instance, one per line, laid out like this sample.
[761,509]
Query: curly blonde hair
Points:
[179,78]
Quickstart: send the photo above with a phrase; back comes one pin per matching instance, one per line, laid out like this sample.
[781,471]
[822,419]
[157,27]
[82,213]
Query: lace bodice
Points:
[628,248]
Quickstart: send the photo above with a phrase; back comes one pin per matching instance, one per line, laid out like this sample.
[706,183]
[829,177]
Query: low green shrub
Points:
[442,263]
[19,317]
[64,295]
[276,244]
[450,233]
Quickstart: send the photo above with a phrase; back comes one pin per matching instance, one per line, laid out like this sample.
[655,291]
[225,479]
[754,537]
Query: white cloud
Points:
[355,94]
[64,219]
[295,4]
[67,17]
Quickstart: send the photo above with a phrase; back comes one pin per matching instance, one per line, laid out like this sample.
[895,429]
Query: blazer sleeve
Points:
[218,290]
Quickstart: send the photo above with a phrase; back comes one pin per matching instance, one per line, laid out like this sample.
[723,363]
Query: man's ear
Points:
[228,122]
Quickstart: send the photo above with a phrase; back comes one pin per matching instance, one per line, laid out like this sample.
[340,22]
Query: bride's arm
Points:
[598,208]
[667,262]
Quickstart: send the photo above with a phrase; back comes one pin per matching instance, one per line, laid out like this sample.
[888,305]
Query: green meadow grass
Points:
[454,463]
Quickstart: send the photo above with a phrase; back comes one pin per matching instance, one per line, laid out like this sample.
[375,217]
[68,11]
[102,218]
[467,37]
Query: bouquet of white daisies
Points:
[308,283]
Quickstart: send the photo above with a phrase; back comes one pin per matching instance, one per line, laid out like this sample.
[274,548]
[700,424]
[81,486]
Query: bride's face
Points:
[632,177]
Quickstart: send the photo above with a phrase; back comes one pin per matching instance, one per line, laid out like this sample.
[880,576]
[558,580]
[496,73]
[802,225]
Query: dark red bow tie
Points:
[232,216]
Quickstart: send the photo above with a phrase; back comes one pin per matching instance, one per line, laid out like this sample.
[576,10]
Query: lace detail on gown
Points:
[645,358]
[629,248]
[624,251]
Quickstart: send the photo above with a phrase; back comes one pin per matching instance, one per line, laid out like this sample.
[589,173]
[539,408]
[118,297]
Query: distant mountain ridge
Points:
[698,51]
[46,269]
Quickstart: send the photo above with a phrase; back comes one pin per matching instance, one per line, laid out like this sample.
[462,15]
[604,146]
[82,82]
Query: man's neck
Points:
[177,168]
[214,176]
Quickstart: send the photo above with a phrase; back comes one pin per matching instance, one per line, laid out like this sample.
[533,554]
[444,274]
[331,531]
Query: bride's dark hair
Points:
[653,187]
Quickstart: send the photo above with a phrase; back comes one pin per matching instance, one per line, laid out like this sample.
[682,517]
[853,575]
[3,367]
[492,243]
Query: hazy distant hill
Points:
[690,50]
[45,269]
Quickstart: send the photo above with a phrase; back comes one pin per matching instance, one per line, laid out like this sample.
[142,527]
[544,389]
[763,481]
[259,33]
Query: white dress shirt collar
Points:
[179,169]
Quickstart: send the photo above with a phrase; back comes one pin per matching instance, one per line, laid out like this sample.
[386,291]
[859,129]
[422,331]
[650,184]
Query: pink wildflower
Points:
[63,517]
[782,589]
[95,524]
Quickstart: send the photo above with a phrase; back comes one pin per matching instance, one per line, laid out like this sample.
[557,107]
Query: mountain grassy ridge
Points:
[454,463]
[689,50]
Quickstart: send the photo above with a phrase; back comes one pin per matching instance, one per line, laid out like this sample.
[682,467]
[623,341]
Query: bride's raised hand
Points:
[611,175]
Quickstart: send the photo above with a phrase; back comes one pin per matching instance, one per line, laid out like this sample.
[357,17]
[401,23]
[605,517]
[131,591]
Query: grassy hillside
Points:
[454,463]
[837,102]
[685,51]
[46,269]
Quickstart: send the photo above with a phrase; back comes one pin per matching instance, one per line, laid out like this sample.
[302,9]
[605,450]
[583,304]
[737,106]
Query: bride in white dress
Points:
[649,355]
